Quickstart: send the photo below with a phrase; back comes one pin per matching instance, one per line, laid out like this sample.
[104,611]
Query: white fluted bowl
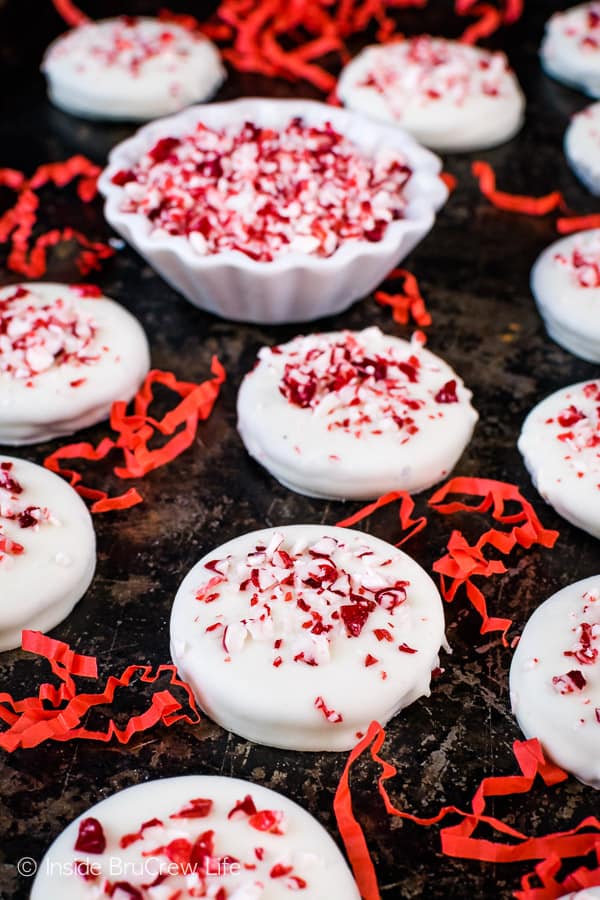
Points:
[294,287]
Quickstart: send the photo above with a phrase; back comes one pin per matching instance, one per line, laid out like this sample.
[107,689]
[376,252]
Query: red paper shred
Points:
[287,38]
[408,304]
[546,872]
[28,256]
[56,713]
[569,224]
[134,432]
[449,180]
[70,13]
[463,561]
[404,513]
[458,840]
[489,20]
[517,203]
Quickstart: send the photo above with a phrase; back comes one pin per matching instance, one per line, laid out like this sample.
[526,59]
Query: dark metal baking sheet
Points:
[474,270]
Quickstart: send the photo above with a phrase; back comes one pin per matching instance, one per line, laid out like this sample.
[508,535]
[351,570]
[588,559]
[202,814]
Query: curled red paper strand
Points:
[489,20]
[404,513]
[568,225]
[56,713]
[449,180]
[27,256]
[551,888]
[458,839]
[463,561]
[134,432]
[408,304]
[516,203]
[70,13]
[287,38]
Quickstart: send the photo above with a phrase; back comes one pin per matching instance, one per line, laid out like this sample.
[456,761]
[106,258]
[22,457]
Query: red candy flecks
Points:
[91,838]
[265,192]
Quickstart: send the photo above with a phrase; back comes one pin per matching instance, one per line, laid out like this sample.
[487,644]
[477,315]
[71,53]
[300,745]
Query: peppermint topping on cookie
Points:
[577,426]
[584,648]
[581,23]
[583,261]
[36,337]
[266,192]
[186,858]
[302,599]
[126,43]
[427,69]
[15,508]
[359,391]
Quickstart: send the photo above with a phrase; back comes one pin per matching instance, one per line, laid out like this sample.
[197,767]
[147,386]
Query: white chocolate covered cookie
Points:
[194,836]
[131,68]
[582,146]
[299,637]
[570,51]
[565,282]
[47,549]
[450,96]
[352,415]
[590,893]
[555,679]
[66,355]
[560,445]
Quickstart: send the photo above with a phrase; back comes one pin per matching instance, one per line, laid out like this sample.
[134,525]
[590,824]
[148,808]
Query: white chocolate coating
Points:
[570,50]
[590,893]
[302,644]
[450,96]
[582,146]
[396,437]
[565,282]
[560,445]
[282,854]
[64,359]
[130,68]
[555,679]
[47,549]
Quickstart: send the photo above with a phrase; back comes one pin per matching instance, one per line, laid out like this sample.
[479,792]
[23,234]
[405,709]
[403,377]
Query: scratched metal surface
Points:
[473,269]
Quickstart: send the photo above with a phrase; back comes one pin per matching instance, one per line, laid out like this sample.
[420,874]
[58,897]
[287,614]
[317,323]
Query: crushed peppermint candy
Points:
[356,390]
[583,261]
[265,192]
[577,427]
[425,70]
[178,856]
[36,336]
[302,599]
[128,43]
[585,648]
[581,23]
[14,508]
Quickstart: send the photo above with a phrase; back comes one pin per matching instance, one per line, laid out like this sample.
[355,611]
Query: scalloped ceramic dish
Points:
[294,287]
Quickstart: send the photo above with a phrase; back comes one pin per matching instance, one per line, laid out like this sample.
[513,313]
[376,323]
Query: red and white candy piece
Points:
[299,637]
[449,95]
[555,679]
[570,51]
[66,354]
[354,415]
[560,445]
[47,549]
[565,282]
[130,68]
[582,146]
[194,836]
